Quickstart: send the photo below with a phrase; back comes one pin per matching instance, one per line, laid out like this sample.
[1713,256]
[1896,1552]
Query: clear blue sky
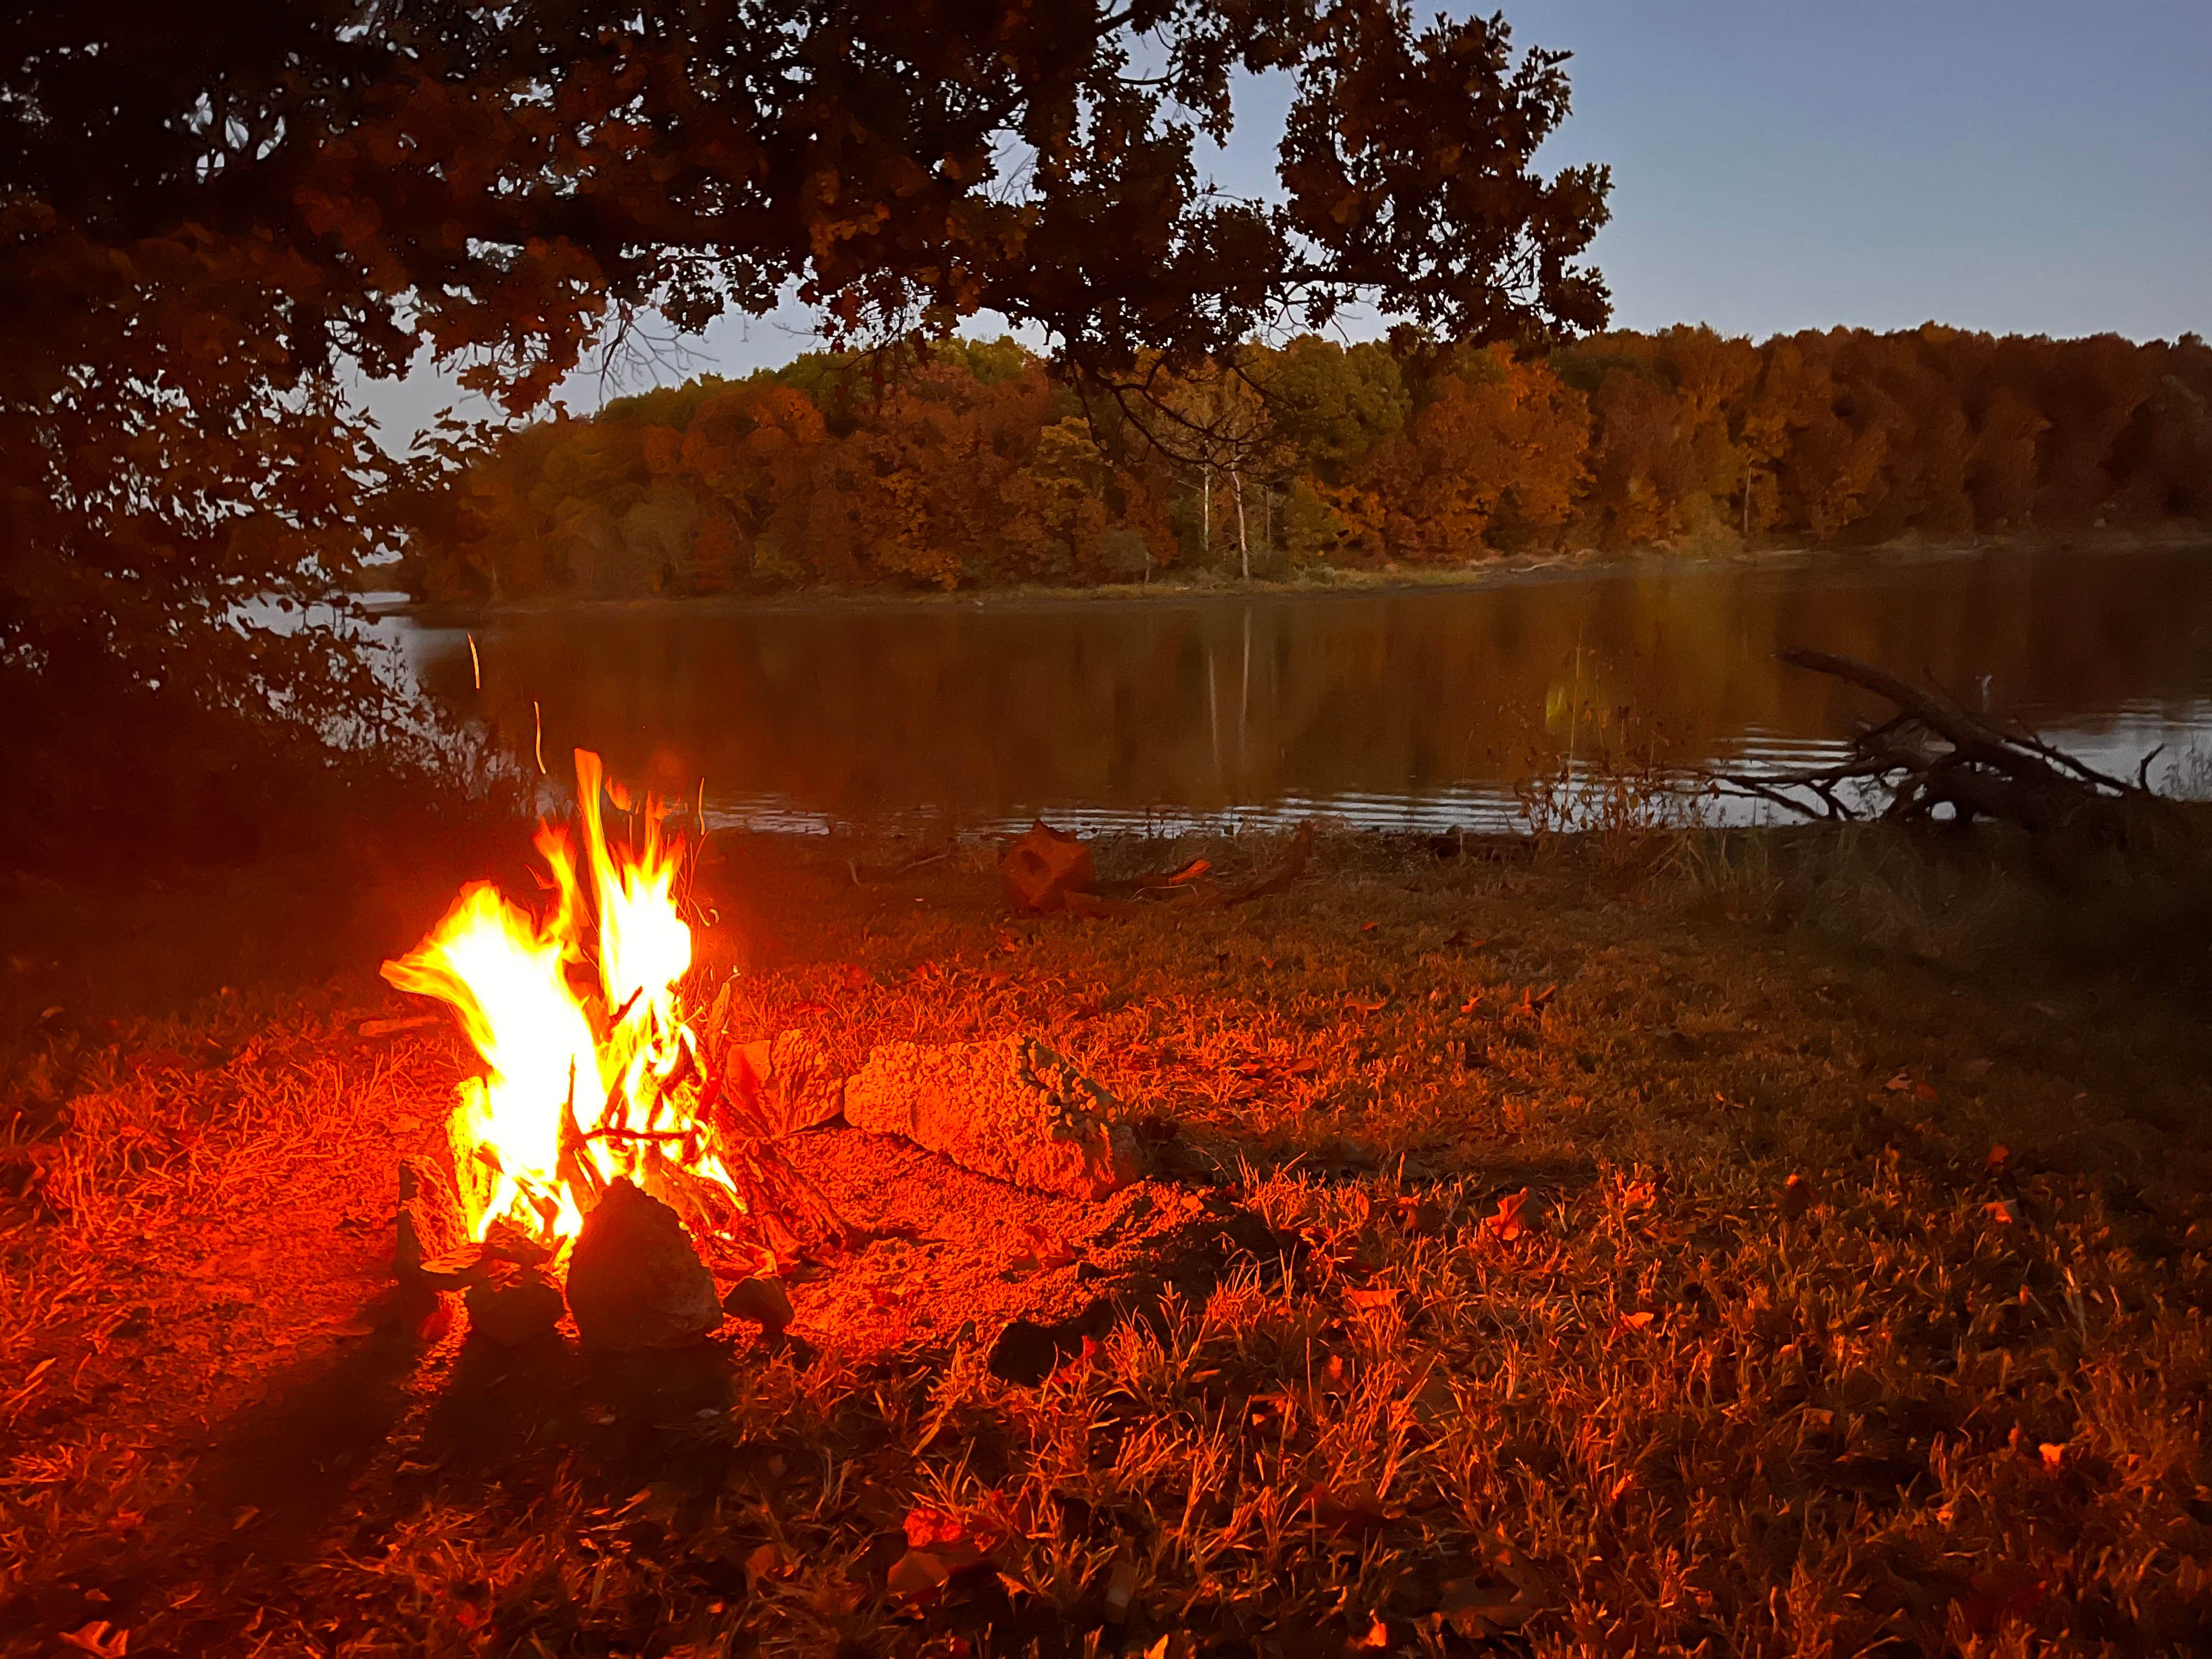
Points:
[2017,166]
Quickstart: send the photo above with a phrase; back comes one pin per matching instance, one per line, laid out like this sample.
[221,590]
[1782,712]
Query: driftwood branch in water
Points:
[1934,753]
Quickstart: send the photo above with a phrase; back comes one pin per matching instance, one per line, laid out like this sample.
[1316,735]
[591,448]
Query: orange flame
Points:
[579,1086]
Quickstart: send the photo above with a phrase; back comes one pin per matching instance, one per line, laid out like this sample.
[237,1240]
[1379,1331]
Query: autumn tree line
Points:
[972,464]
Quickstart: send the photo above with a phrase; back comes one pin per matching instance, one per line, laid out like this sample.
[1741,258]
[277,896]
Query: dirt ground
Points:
[1758,1244]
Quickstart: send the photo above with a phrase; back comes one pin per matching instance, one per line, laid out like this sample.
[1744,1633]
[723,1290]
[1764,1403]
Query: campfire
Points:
[624,1139]
[596,1080]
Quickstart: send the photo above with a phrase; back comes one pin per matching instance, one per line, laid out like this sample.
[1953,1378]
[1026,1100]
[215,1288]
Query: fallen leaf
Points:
[2052,1455]
[1355,1508]
[771,1561]
[1365,1006]
[1121,1587]
[1481,1606]
[956,1539]
[1513,1220]
[916,1573]
[1638,1321]
[1925,1094]
[1901,1083]
[1999,1211]
[1378,1635]
[1998,1154]
[98,1637]
[1796,1197]
[1420,1215]
[1366,927]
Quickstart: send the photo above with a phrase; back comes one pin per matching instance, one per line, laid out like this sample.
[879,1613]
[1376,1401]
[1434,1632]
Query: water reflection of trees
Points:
[1209,704]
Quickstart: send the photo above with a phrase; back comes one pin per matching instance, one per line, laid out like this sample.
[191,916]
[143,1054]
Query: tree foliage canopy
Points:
[493,178]
[210,215]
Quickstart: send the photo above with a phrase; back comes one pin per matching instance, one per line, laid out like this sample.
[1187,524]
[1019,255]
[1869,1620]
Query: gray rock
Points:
[634,1278]
[514,1304]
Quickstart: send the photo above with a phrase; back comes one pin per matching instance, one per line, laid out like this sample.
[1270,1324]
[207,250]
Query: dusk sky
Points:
[2027,166]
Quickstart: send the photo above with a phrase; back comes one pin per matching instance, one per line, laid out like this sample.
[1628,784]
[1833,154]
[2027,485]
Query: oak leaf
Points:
[1514,1219]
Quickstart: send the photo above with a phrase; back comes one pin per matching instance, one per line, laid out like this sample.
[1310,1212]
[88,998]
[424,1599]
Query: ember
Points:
[593,1074]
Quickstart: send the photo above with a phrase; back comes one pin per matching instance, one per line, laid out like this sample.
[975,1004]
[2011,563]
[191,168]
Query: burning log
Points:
[1933,753]
[588,1086]
[1011,1109]
[636,1279]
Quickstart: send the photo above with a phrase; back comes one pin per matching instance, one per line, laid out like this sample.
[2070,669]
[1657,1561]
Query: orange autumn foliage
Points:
[973,464]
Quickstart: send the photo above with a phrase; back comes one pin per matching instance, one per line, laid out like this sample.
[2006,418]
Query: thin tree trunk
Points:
[1243,548]
[1206,511]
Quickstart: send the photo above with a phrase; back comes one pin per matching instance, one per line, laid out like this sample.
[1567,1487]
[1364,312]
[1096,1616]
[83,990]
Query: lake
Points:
[1410,708]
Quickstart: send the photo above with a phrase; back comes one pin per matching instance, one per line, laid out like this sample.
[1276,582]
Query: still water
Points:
[1404,709]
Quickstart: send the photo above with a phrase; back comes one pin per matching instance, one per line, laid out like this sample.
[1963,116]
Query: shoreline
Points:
[1328,582]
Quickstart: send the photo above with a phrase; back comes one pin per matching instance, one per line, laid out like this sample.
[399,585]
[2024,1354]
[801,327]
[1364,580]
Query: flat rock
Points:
[513,1305]
[429,1222]
[1010,1107]
[457,1270]
[634,1278]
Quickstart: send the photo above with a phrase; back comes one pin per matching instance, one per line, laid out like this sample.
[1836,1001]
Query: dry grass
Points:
[1917,1401]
